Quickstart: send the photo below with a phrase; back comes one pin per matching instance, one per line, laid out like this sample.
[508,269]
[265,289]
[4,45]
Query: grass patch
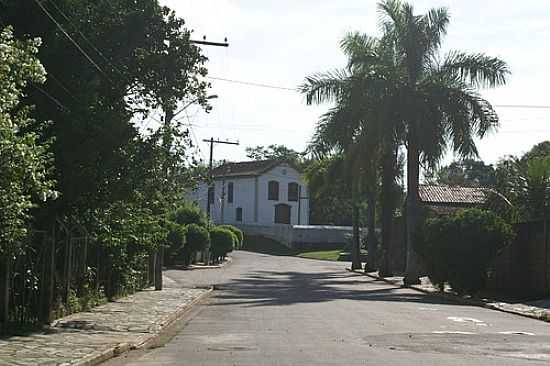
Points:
[326,255]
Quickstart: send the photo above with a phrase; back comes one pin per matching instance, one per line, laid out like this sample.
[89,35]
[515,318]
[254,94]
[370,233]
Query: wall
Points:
[302,236]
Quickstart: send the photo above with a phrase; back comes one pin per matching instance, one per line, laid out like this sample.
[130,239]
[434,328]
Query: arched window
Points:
[282,214]
[273,190]
[230,192]
[293,191]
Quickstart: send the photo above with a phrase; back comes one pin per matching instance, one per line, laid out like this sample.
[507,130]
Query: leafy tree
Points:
[25,161]
[275,152]
[189,213]
[467,173]
[458,248]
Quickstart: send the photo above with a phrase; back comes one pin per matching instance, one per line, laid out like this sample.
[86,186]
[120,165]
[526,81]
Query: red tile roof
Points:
[433,194]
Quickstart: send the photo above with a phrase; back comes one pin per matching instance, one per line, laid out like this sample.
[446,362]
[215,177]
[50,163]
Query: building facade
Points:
[264,192]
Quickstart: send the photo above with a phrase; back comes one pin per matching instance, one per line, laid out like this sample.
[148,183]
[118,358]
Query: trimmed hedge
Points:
[197,239]
[189,213]
[459,248]
[238,234]
[176,240]
[222,242]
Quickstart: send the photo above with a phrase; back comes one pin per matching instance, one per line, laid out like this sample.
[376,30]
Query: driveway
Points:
[270,310]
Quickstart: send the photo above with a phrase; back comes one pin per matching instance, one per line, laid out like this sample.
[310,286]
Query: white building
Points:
[266,192]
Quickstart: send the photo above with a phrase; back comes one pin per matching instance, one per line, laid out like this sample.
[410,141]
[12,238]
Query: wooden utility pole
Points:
[211,188]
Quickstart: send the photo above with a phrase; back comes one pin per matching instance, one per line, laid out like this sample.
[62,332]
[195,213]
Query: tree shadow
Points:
[273,288]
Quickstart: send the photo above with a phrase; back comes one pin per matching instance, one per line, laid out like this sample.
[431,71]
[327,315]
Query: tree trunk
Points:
[372,241]
[356,240]
[412,276]
[388,201]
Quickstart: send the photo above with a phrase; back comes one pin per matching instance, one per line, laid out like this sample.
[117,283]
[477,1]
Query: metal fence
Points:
[57,270]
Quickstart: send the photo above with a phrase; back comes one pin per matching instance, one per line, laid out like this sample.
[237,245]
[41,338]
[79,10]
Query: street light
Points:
[213,96]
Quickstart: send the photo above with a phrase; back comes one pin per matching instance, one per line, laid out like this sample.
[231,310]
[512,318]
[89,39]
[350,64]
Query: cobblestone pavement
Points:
[539,309]
[90,337]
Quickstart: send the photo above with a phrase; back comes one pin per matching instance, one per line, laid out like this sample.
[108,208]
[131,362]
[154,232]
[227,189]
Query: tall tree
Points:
[466,173]
[441,106]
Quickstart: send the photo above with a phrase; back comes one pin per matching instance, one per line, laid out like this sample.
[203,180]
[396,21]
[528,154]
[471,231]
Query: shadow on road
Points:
[272,288]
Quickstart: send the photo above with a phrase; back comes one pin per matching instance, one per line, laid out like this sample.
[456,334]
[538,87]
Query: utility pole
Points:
[169,116]
[211,188]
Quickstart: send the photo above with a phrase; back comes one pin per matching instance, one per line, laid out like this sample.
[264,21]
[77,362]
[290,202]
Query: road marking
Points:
[460,319]
[452,332]
[517,332]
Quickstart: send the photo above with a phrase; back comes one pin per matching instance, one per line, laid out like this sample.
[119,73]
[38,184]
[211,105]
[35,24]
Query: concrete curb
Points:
[455,298]
[147,339]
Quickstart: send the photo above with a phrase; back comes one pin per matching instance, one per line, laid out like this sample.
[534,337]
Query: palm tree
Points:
[441,106]
[368,89]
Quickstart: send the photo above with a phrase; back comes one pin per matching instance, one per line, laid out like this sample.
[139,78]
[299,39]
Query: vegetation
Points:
[399,90]
[189,213]
[459,248]
[466,173]
[237,232]
[222,242]
[176,240]
[197,239]
[117,180]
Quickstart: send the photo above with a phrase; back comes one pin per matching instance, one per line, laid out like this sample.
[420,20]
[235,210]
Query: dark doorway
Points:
[282,214]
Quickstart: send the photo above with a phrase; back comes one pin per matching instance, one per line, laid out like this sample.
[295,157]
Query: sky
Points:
[279,43]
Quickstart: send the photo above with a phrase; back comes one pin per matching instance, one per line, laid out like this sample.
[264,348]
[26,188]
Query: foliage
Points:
[276,152]
[238,234]
[25,161]
[458,248]
[176,240]
[197,238]
[222,242]
[467,173]
[189,213]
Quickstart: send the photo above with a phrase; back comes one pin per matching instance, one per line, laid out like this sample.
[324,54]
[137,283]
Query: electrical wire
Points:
[60,27]
[250,83]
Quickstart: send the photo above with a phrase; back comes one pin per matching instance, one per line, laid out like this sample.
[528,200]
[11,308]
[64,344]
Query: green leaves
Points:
[25,163]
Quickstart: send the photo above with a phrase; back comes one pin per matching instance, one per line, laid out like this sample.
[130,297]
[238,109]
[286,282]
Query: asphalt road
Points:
[289,311]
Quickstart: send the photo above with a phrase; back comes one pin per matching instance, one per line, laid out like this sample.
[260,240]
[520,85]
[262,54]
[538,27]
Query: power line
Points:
[520,106]
[250,83]
[72,40]
[52,98]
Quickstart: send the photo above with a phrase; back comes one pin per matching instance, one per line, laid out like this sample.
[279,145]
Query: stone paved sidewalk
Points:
[89,338]
[539,309]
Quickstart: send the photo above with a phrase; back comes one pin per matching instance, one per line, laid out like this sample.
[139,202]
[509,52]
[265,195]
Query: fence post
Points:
[4,290]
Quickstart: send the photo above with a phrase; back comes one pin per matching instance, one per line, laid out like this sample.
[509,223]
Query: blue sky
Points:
[280,42]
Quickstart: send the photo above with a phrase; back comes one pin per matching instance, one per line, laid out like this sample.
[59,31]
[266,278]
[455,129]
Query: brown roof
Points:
[432,194]
[244,168]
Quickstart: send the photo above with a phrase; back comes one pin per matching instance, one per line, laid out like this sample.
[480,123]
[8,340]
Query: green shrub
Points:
[176,239]
[189,213]
[222,242]
[197,239]
[458,248]
[238,234]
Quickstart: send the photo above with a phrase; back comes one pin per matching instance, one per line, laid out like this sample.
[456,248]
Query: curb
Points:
[451,297]
[143,341]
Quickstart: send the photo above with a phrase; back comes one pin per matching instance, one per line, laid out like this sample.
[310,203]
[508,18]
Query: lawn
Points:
[263,245]
[326,255]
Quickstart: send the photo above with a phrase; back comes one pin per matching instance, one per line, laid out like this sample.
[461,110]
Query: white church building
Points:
[266,193]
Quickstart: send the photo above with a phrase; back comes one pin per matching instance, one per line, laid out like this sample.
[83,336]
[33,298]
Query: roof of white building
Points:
[245,168]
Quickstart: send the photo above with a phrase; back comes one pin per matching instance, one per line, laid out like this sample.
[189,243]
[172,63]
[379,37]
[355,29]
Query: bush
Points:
[223,241]
[238,234]
[189,214]
[176,239]
[197,238]
[459,248]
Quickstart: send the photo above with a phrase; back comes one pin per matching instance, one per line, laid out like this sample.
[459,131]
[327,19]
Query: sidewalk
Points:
[539,309]
[89,338]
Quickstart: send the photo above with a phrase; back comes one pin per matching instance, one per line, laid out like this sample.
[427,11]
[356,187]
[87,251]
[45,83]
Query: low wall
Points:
[303,236]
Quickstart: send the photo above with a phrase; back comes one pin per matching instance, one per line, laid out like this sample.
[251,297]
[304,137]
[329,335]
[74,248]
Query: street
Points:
[269,310]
